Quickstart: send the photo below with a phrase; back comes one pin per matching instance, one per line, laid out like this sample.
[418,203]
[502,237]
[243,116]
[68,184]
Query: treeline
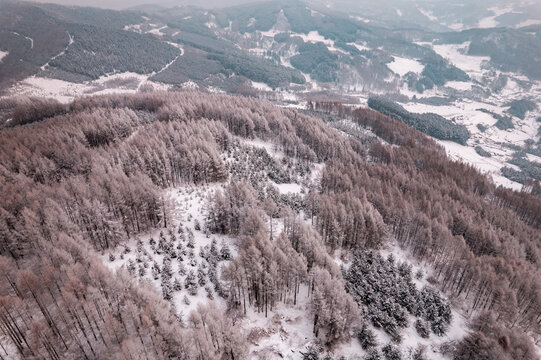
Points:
[428,123]
[26,110]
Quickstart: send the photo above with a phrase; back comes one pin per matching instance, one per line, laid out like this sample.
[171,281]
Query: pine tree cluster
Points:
[387,294]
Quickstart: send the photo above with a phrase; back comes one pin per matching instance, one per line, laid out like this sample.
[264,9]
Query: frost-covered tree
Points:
[208,290]
[373,354]
[333,309]
[225,252]
[167,289]
[182,269]
[155,271]
[190,283]
[186,300]
[213,252]
[177,285]
[167,271]
[141,271]
[422,328]
[201,276]
[391,352]
[367,338]
[131,267]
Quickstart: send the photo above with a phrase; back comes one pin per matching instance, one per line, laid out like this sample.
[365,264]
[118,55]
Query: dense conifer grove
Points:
[79,180]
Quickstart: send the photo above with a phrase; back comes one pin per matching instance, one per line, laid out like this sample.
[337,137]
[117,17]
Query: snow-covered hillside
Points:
[185,262]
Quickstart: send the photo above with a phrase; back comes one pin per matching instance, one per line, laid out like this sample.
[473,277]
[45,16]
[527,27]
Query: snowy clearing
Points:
[289,188]
[360,47]
[286,331]
[268,146]
[534,158]
[261,86]
[158,31]
[402,66]
[456,54]
[187,203]
[490,21]
[459,85]
[315,37]
[528,22]
[428,14]
[65,91]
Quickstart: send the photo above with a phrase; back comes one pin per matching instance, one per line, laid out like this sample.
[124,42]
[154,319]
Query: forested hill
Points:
[87,187]
[476,87]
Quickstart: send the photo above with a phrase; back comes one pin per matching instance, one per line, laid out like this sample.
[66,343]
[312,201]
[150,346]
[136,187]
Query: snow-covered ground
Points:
[65,91]
[490,21]
[261,86]
[285,331]
[490,166]
[315,37]
[458,328]
[457,55]
[493,140]
[158,31]
[187,209]
[428,14]
[27,38]
[402,66]
[360,47]
[528,22]
[468,109]
[3,54]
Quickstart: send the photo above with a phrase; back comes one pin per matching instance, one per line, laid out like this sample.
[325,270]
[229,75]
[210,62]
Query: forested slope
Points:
[85,178]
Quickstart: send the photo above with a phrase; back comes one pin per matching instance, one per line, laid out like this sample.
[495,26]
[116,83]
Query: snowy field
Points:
[457,55]
[66,92]
[493,140]
[402,66]
[490,21]
[469,109]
